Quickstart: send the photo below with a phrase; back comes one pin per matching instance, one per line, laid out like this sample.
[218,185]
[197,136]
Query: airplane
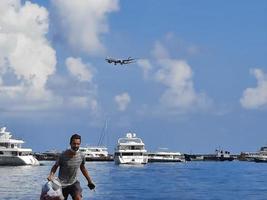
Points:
[129,60]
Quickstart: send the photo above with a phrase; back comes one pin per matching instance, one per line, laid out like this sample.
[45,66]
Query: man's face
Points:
[75,144]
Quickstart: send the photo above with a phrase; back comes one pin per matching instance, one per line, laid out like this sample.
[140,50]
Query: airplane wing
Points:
[128,61]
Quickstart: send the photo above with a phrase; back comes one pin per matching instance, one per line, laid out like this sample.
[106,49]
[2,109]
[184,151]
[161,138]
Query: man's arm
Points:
[53,171]
[85,172]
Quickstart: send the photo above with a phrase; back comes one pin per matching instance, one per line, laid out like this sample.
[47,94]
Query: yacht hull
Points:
[18,160]
[130,160]
[163,160]
[260,160]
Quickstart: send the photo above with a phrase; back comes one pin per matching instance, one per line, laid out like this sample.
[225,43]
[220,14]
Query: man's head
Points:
[75,142]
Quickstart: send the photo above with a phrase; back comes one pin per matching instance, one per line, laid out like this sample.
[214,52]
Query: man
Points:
[68,162]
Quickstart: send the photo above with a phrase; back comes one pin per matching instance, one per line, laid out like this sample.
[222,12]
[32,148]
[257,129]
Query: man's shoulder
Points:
[81,154]
[64,154]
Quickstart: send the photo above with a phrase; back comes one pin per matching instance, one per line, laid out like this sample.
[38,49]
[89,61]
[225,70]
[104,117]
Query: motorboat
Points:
[47,155]
[262,155]
[163,155]
[130,150]
[261,159]
[259,156]
[96,153]
[12,153]
[193,157]
[263,150]
[220,155]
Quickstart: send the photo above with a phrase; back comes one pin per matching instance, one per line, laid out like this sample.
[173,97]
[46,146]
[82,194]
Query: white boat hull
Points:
[132,160]
[158,159]
[18,160]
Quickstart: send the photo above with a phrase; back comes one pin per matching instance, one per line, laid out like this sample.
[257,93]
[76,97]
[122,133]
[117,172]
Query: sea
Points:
[226,180]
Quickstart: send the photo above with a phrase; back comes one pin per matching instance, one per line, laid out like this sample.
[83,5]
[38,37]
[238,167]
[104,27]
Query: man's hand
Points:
[91,185]
[50,177]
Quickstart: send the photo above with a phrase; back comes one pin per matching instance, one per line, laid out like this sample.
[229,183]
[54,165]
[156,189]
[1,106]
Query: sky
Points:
[199,81]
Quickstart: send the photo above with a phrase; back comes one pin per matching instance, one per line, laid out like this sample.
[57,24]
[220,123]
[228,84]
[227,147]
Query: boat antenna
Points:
[103,133]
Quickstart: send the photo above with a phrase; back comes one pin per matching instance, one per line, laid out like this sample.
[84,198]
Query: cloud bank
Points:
[26,57]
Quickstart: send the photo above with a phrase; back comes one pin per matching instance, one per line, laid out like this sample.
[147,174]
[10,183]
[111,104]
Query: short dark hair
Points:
[75,136]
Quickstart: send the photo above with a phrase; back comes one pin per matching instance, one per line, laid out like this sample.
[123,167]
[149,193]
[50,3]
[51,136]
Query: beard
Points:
[75,149]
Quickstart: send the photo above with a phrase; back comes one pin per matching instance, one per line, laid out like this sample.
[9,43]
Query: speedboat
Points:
[165,156]
[11,152]
[130,150]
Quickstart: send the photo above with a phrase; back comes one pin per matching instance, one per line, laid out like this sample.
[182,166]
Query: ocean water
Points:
[184,181]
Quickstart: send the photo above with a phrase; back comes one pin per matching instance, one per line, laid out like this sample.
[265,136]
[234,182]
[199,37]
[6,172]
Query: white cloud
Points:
[82,102]
[25,53]
[145,65]
[254,98]
[83,22]
[85,96]
[122,101]
[177,76]
[159,51]
[79,70]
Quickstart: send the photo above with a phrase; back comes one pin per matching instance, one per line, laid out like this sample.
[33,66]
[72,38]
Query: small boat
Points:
[220,155]
[130,150]
[11,152]
[193,157]
[262,155]
[261,159]
[259,156]
[47,155]
[163,155]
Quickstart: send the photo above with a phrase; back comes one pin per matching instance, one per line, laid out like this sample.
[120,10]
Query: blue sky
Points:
[200,80]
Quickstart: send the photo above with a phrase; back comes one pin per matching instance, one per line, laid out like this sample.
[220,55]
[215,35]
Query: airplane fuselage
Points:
[119,61]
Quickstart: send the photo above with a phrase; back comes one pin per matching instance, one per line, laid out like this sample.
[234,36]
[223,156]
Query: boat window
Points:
[131,154]
[127,154]
[14,153]
[4,145]
[136,147]
[12,145]
[1,152]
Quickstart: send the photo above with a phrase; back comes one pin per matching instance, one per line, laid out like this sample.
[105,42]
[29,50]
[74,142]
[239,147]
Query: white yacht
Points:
[259,156]
[165,156]
[130,150]
[11,152]
[262,155]
[96,153]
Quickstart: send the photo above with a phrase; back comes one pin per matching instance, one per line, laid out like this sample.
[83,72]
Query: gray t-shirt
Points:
[68,167]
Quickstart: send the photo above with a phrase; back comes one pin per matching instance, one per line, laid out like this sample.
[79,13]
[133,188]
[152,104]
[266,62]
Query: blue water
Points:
[183,181]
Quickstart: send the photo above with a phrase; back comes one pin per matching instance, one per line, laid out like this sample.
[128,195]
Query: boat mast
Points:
[103,134]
